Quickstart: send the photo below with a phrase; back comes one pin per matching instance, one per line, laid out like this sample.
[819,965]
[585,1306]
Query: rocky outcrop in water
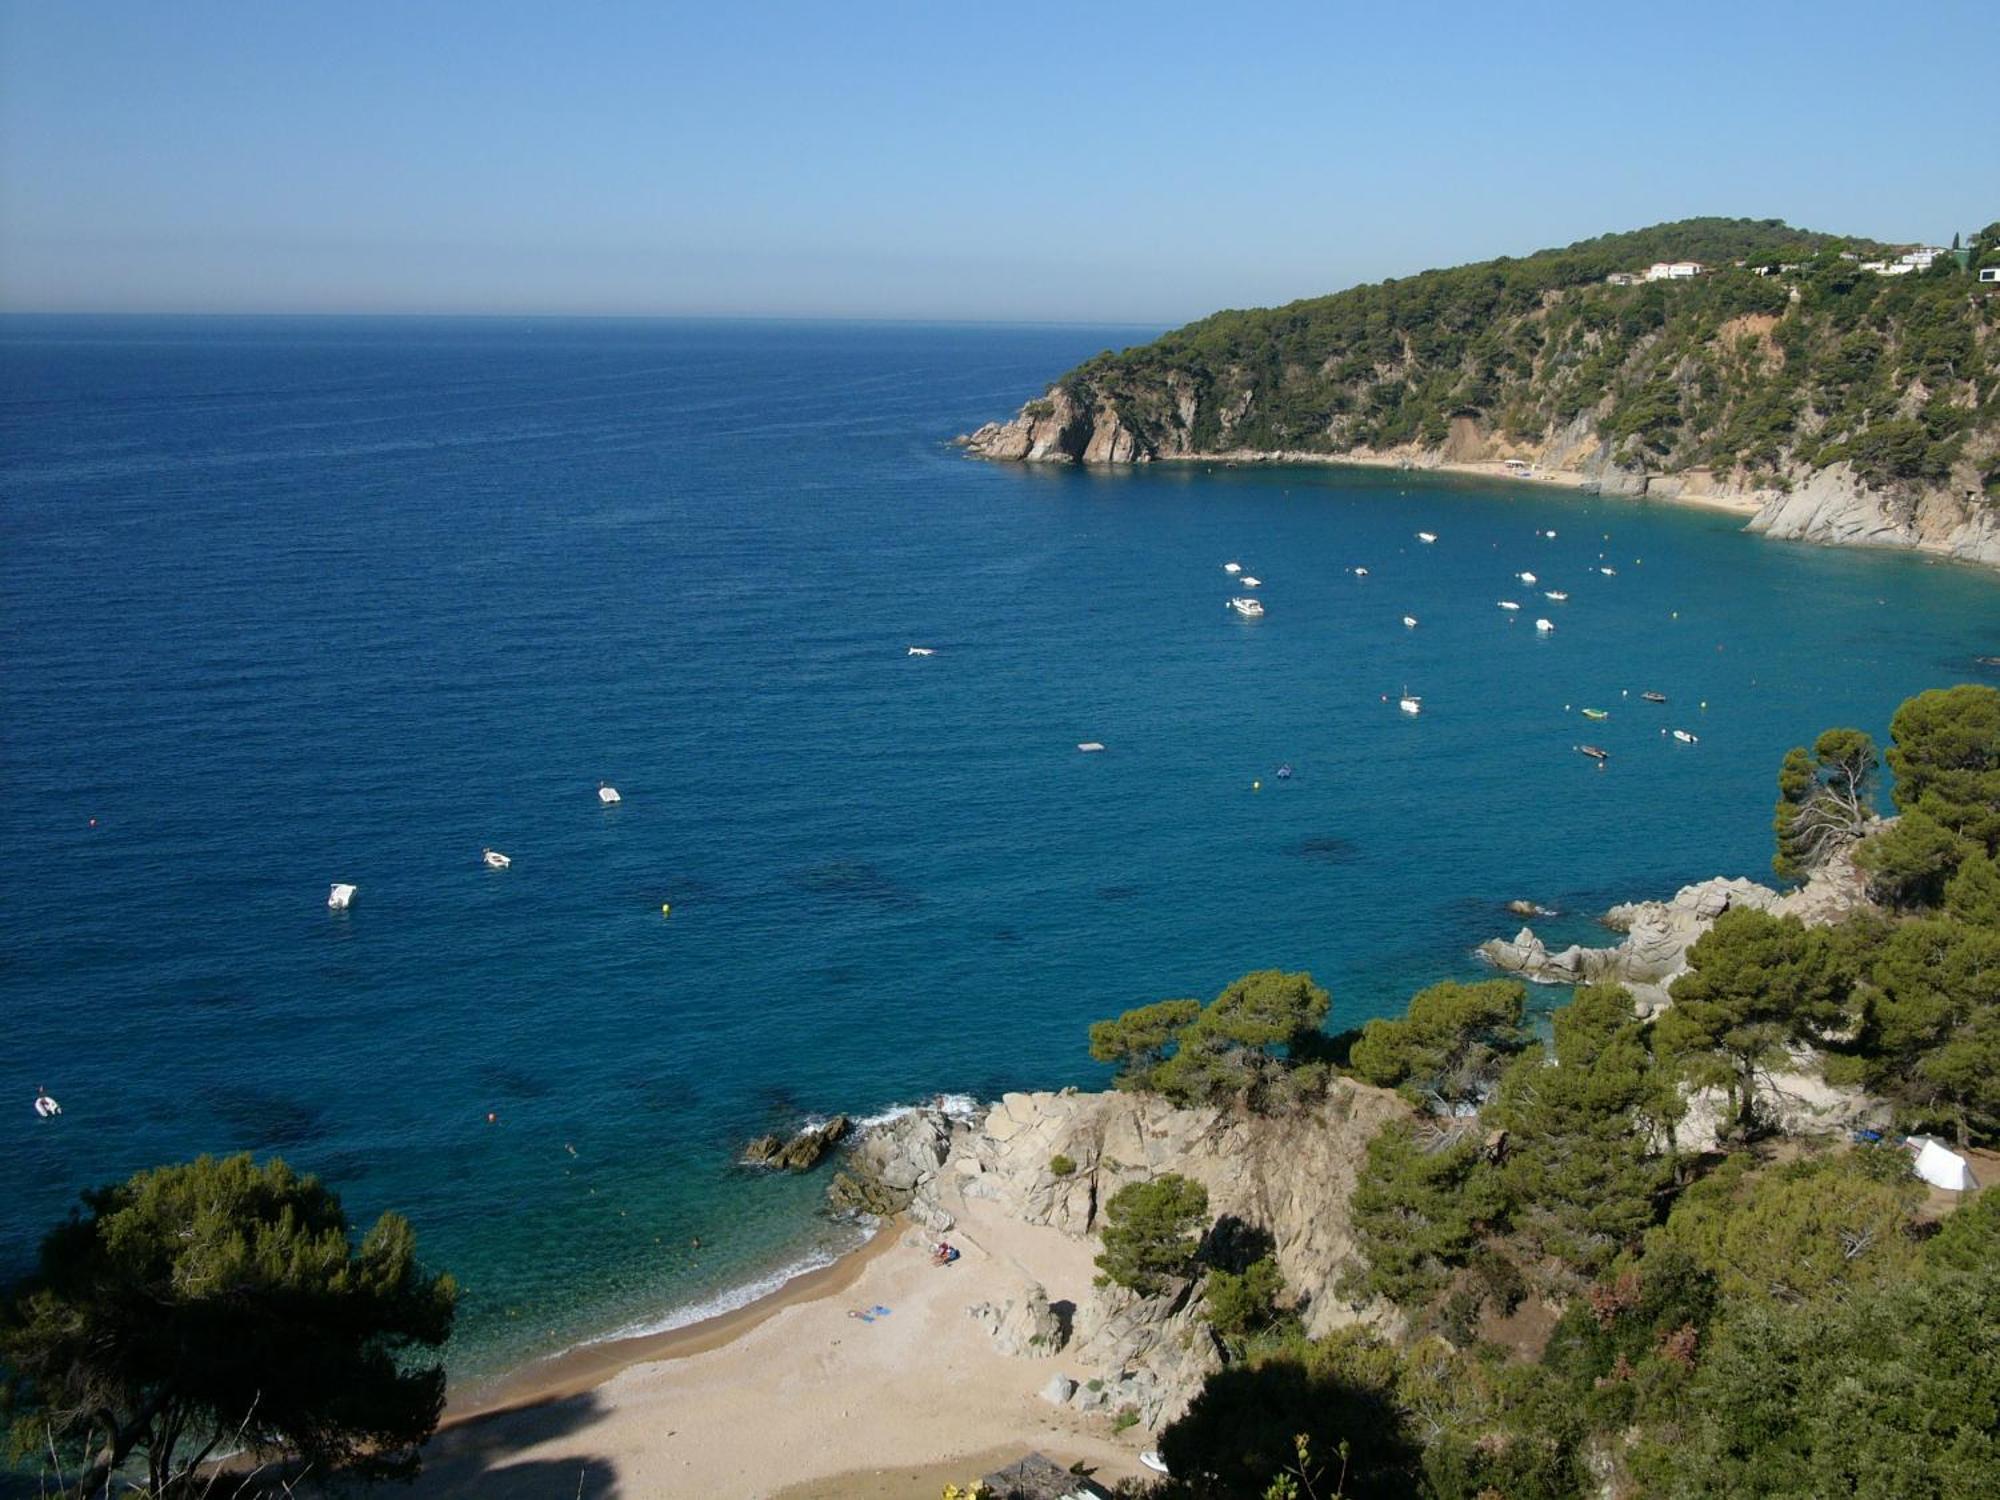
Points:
[893,1162]
[802,1152]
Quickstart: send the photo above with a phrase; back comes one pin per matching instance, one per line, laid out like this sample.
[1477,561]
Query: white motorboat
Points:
[1508,604]
[495,860]
[46,1107]
[340,897]
[1609,572]
[1546,627]
[607,794]
[1527,578]
[1250,609]
[1550,533]
[1410,621]
[1250,583]
[1090,747]
[1410,703]
[1360,572]
[923,651]
[1427,537]
[1685,738]
[1232,567]
[1556,594]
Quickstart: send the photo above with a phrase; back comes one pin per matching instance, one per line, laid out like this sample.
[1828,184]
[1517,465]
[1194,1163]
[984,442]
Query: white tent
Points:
[1941,1167]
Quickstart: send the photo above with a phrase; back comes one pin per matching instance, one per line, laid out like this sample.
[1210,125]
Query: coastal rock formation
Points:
[1057,429]
[1658,934]
[802,1152]
[1288,1175]
[1834,505]
[893,1162]
[1654,951]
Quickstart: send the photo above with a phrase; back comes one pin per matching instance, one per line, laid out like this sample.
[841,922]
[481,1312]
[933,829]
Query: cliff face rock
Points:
[1056,430]
[1288,1175]
[1833,505]
[894,1162]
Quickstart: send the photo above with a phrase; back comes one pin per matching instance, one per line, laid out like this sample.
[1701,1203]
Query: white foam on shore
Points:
[735,1297]
[953,1106]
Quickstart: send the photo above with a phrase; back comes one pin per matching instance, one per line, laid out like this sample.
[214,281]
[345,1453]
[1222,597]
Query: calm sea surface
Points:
[288,603]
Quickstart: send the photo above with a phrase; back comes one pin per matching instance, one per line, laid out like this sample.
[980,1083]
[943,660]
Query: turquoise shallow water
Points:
[283,603]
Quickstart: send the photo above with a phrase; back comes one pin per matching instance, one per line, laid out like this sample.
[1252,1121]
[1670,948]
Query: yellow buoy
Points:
[1256,786]
[666,909]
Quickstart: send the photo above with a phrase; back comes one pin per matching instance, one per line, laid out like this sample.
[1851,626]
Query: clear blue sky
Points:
[1115,162]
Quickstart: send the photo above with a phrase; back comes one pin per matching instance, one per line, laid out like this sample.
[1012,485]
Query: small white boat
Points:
[607,794]
[1410,621]
[1550,533]
[46,1107]
[1546,627]
[1556,594]
[1427,537]
[1152,1460]
[1508,604]
[1410,703]
[1609,572]
[1232,567]
[1250,609]
[1360,572]
[340,897]
[1250,583]
[1685,738]
[495,860]
[1090,747]
[923,651]
[1527,578]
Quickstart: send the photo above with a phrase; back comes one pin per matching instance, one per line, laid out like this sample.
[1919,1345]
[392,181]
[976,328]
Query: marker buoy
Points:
[666,908]
[1256,786]
[492,1118]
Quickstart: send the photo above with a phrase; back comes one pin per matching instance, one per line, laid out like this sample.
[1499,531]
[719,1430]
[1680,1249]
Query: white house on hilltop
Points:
[1674,270]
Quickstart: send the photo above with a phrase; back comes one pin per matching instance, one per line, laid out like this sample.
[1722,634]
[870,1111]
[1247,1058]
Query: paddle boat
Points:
[607,794]
[340,897]
[495,860]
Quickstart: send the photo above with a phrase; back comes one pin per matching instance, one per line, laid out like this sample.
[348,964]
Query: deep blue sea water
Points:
[290,602]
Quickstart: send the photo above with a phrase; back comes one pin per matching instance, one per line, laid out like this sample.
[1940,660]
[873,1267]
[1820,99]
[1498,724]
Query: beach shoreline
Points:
[584,1367]
[1490,469]
[860,1380]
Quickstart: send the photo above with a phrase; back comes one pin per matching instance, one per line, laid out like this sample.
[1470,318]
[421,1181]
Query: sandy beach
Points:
[1685,492]
[795,1396]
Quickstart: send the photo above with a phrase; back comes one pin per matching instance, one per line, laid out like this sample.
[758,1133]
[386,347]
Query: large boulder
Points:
[1026,1324]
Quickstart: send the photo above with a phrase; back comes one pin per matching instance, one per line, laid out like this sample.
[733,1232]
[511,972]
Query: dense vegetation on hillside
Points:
[1591,1302]
[1767,374]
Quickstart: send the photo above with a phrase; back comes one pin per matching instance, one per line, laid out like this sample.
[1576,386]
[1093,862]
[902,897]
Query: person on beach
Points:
[945,1254]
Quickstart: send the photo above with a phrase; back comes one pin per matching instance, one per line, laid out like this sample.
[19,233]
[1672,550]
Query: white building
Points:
[1990,274]
[1674,270]
[1621,278]
[1921,256]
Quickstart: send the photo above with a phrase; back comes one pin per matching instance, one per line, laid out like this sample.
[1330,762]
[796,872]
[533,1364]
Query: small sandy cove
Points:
[795,1397]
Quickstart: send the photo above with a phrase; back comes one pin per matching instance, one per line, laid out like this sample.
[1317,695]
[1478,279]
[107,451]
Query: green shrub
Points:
[1061,1166]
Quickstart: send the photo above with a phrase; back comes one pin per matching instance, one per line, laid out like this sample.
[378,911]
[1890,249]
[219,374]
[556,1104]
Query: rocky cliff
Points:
[1286,1177]
[1845,407]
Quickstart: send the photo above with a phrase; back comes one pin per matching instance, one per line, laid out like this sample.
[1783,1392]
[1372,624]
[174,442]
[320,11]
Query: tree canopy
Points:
[1151,1233]
[1238,1047]
[1449,1045]
[223,1302]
